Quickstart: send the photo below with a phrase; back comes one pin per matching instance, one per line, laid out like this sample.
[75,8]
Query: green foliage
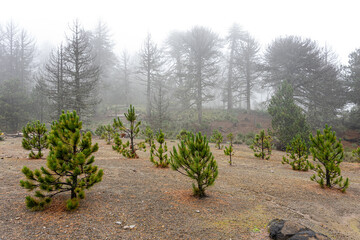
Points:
[287,118]
[108,133]
[160,152]
[35,138]
[297,154]
[329,153]
[262,145]
[195,160]
[356,154]
[229,151]
[182,135]
[217,138]
[149,135]
[1,136]
[128,149]
[247,139]
[69,165]
[99,131]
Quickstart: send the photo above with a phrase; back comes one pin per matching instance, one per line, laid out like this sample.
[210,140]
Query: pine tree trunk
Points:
[73,194]
[328,183]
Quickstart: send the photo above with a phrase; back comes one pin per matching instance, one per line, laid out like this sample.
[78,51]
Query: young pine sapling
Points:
[262,145]
[128,149]
[195,160]
[229,151]
[217,138]
[328,152]
[160,153]
[69,165]
[35,138]
[297,154]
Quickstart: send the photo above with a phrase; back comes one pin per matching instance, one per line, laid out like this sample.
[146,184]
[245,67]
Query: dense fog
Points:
[173,80]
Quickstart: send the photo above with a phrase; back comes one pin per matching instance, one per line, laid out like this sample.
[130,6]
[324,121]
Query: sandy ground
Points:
[158,202]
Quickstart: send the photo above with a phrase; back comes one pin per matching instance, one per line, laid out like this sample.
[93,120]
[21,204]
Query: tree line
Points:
[188,70]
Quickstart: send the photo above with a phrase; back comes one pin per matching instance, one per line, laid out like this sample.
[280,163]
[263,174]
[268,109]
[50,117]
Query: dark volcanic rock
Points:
[280,229]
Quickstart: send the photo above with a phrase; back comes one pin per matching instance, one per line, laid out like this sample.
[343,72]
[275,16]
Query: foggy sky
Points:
[331,22]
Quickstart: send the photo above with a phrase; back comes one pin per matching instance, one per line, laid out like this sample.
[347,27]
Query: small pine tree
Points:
[329,153]
[159,152]
[195,160]
[149,135]
[217,138]
[128,149]
[182,135]
[35,138]
[229,151]
[109,133]
[356,153]
[297,154]
[69,164]
[261,144]
[100,131]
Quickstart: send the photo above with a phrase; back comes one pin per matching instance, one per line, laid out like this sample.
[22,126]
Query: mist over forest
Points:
[174,81]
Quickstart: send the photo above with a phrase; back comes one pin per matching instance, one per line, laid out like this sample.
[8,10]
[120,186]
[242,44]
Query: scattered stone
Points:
[17,218]
[126,227]
[67,226]
[272,171]
[280,229]
[118,223]
[44,227]
[132,226]
[198,211]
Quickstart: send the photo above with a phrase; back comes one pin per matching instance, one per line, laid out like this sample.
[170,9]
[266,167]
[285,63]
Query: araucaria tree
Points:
[262,145]
[202,52]
[297,154]
[217,138]
[160,152]
[129,148]
[195,160]
[35,137]
[229,151]
[69,165]
[328,152]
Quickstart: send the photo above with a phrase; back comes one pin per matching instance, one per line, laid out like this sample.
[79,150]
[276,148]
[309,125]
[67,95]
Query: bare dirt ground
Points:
[158,202]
